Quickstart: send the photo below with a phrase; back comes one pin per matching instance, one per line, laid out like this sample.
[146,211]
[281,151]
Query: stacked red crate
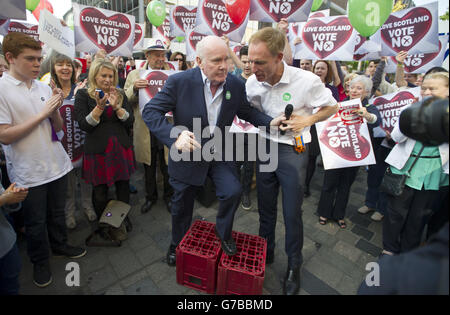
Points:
[243,273]
[198,256]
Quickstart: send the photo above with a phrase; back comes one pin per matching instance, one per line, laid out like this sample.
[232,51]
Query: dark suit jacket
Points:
[97,137]
[183,94]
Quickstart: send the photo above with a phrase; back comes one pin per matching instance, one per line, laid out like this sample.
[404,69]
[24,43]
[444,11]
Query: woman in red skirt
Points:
[107,120]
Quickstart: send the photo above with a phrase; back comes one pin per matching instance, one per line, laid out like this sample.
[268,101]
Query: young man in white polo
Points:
[29,123]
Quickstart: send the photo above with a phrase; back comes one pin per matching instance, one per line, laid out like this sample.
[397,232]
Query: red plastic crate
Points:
[243,273]
[198,256]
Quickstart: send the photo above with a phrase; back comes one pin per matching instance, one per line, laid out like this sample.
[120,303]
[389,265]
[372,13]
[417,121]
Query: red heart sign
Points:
[280,9]
[345,140]
[390,109]
[242,124]
[73,139]
[3,22]
[414,62]
[138,34]
[184,18]
[216,16]
[317,15]
[194,38]
[164,29]
[360,41]
[108,33]
[156,80]
[401,34]
[325,38]
[22,28]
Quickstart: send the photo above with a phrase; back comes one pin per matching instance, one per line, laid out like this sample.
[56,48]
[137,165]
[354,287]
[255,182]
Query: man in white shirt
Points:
[29,123]
[273,86]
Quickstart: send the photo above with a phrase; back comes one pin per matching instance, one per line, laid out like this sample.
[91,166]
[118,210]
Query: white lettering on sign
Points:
[280,6]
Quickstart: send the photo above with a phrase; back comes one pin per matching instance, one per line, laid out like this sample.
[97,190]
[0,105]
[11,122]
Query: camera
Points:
[426,121]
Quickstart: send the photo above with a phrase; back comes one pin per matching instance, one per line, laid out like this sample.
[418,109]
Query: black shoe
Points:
[307,193]
[246,202]
[69,252]
[147,206]
[168,204]
[292,281]
[172,256]
[270,257]
[42,276]
[228,246]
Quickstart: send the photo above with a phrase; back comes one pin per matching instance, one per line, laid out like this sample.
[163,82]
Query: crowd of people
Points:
[42,181]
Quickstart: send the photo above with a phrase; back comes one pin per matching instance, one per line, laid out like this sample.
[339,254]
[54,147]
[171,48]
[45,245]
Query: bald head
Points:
[210,44]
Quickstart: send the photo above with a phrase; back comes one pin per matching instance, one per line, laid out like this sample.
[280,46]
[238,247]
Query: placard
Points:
[55,35]
[4,25]
[163,31]
[103,29]
[390,106]
[192,40]
[26,28]
[413,30]
[156,79]
[73,139]
[139,35]
[242,126]
[182,18]
[213,19]
[273,11]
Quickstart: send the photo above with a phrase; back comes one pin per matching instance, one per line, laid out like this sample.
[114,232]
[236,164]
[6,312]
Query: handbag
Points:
[394,184]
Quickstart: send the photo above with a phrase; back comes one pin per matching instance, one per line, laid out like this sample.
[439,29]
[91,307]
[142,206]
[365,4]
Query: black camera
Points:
[426,121]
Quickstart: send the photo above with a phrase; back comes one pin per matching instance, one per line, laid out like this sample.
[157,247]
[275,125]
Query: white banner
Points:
[156,80]
[192,39]
[274,10]
[391,105]
[421,63]
[139,35]
[344,145]
[328,38]
[213,19]
[55,35]
[371,45]
[182,18]
[103,29]
[413,30]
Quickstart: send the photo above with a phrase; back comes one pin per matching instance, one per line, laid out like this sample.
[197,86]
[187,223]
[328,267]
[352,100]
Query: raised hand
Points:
[186,142]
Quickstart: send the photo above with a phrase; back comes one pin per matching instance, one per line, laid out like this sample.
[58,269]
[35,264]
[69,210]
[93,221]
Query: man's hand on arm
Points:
[297,123]
[186,142]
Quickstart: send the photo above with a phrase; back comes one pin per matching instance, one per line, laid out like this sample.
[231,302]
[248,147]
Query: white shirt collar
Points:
[285,79]
[16,82]
[205,79]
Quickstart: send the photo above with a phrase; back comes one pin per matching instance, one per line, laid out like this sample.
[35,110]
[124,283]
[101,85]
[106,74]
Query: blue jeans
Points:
[10,266]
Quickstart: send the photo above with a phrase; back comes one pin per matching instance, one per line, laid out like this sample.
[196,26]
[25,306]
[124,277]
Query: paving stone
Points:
[101,279]
[358,230]
[124,262]
[314,286]
[325,271]
[368,247]
[360,220]
[143,287]
[348,251]
[347,236]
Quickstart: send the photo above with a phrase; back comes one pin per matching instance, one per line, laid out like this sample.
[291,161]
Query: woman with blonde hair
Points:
[102,111]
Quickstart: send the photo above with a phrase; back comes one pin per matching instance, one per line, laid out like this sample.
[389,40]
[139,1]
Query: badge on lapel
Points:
[228,95]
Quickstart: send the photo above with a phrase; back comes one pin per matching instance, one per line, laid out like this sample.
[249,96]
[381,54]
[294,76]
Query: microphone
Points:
[287,112]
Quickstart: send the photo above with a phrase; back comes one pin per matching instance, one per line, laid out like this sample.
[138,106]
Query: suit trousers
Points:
[290,175]
[335,192]
[228,191]
[157,155]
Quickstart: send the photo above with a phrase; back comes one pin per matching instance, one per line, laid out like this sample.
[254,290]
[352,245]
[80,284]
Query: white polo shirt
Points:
[35,159]
[303,89]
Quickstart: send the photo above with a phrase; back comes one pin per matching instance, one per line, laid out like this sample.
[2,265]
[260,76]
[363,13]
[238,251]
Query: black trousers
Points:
[157,154]
[405,219]
[100,195]
[45,219]
[335,192]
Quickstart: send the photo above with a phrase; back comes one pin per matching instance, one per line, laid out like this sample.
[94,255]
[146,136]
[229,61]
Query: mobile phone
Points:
[101,94]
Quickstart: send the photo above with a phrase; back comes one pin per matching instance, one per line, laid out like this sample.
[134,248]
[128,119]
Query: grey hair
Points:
[207,43]
[366,82]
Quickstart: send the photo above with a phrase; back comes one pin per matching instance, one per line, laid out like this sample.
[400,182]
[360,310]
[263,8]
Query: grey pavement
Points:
[334,259]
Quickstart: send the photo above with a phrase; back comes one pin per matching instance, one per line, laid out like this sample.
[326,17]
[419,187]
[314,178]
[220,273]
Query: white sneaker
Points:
[70,222]
[365,209]
[376,216]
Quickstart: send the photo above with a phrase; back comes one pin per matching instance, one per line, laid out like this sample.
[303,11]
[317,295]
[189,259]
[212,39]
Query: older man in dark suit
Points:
[212,96]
